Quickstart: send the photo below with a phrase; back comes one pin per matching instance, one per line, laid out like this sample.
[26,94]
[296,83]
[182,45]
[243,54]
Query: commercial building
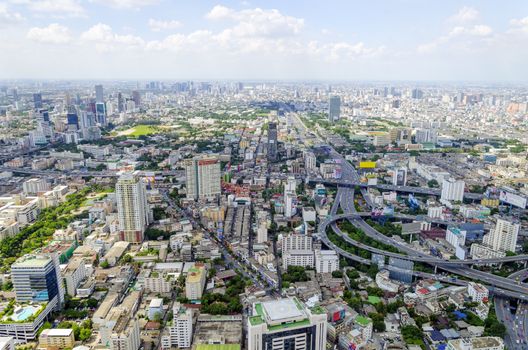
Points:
[272,141]
[132,207]
[334,108]
[326,261]
[37,278]
[286,324]
[195,282]
[203,177]
[56,338]
[452,190]
[301,257]
[480,343]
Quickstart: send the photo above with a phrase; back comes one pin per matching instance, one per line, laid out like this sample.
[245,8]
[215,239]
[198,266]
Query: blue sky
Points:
[301,40]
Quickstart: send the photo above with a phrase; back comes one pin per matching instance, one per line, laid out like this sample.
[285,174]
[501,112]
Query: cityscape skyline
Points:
[401,40]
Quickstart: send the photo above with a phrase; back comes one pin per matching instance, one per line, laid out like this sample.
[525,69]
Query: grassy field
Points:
[140,130]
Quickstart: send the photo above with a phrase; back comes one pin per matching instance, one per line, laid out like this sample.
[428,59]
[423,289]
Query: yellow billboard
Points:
[367,165]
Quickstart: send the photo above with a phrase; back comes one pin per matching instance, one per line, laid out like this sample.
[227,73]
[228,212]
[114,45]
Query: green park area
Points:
[140,130]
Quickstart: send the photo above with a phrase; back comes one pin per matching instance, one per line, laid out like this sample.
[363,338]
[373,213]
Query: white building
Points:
[477,292]
[452,190]
[126,336]
[326,261]
[180,332]
[286,324]
[7,343]
[310,162]
[300,257]
[35,185]
[73,274]
[132,207]
[296,242]
[203,177]
[480,343]
[195,282]
[504,236]
[455,236]
[158,283]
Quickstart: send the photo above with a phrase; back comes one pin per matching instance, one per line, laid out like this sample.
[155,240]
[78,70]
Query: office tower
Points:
[37,278]
[181,330]
[73,121]
[399,177]
[44,115]
[416,94]
[203,177]
[136,97]
[86,120]
[120,102]
[132,207]
[100,113]
[272,141]
[334,108]
[503,237]
[286,324]
[452,190]
[99,97]
[37,100]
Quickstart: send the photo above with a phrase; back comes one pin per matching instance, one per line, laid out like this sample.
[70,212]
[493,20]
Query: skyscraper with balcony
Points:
[132,207]
[203,177]
[504,236]
[36,278]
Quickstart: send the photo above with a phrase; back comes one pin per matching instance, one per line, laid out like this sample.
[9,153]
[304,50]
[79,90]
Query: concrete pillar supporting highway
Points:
[410,238]
[436,267]
[525,263]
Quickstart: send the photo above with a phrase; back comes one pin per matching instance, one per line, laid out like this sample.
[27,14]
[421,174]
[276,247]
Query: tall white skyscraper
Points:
[132,207]
[504,236]
[286,324]
[334,108]
[203,177]
[452,190]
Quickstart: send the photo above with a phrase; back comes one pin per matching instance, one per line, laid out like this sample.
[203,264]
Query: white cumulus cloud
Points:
[159,25]
[7,17]
[127,4]
[55,8]
[52,34]
[105,39]
[465,14]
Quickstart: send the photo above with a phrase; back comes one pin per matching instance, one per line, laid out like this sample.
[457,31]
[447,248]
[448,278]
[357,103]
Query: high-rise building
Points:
[504,236]
[136,96]
[125,335]
[452,190]
[120,102]
[36,278]
[35,185]
[326,261]
[180,332]
[195,282]
[399,177]
[334,108]
[99,96]
[132,207]
[272,141]
[203,177]
[416,94]
[310,162]
[286,324]
[37,100]
[100,113]
[73,121]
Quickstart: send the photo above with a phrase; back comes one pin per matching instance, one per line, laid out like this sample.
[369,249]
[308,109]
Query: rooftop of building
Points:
[195,274]
[32,261]
[56,332]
